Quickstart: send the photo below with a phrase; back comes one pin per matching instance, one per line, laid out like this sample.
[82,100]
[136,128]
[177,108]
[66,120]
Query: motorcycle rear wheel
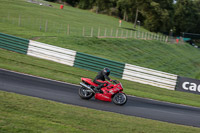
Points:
[84,94]
[120,99]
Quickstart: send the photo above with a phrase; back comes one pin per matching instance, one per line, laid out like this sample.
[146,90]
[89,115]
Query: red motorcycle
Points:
[112,92]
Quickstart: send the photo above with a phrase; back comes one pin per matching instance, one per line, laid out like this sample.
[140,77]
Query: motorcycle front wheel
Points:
[85,93]
[120,99]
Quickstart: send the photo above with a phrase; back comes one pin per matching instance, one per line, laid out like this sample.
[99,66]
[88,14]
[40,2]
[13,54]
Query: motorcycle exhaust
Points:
[86,86]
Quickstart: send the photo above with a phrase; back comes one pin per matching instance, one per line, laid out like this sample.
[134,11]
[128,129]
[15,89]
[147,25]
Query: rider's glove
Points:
[114,81]
[105,84]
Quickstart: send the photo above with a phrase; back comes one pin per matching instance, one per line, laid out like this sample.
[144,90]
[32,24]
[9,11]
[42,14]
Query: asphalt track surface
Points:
[68,94]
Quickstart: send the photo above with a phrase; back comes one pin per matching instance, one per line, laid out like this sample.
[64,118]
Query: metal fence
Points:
[66,29]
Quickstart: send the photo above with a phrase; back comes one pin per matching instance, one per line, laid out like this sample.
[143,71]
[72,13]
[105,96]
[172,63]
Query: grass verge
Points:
[28,114]
[49,25]
[48,69]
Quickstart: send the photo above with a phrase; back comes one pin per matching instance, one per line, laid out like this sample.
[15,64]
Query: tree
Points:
[86,4]
[158,15]
[185,17]
[197,7]
[124,7]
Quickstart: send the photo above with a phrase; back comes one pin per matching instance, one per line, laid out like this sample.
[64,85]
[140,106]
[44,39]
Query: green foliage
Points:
[182,60]
[155,15]
[86,4]
[177,59]
[185,17]
[158,16]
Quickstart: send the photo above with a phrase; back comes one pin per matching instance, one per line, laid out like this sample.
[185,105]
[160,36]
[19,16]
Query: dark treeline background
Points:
[155,15]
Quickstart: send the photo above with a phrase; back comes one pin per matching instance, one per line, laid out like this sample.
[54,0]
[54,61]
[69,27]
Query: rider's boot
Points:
[96,89]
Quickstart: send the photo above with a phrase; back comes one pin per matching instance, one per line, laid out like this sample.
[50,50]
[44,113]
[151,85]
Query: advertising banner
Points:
[188,85]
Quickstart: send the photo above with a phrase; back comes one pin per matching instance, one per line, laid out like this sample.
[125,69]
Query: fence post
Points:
[166,39]
[92,32]
[131,33]
[127,34]
[68,29]
[142,35]
[122,33]
[40,25]
[8,17]
[138,34]
[116,33]
[105,32]
[135,34]
[147,35]
[161,37]
[46,26]
[61,28]
[83,31]
[99,32]
[111,32]
[19,22]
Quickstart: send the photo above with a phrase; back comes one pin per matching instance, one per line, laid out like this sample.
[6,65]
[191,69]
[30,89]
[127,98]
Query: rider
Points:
[100,78]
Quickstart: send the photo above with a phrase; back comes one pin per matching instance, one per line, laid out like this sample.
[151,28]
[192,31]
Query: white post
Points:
[122,33]
[68,29]
[135,34]
[19,22]
[116,33]
[92,32]
[46,26]
[131,33]
[105,32]
[127,34]
[111,32]
[61,29]
[138,34]
[8,16]
[83,31]
[99,31]
[166,39]
[142,35]
[146,35]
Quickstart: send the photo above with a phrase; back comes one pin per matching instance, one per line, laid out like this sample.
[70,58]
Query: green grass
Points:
[48,69]
[34,17]
[181,59]
[28,114]
[178,59]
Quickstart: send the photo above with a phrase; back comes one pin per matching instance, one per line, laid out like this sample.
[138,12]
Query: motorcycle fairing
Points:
[89,81]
